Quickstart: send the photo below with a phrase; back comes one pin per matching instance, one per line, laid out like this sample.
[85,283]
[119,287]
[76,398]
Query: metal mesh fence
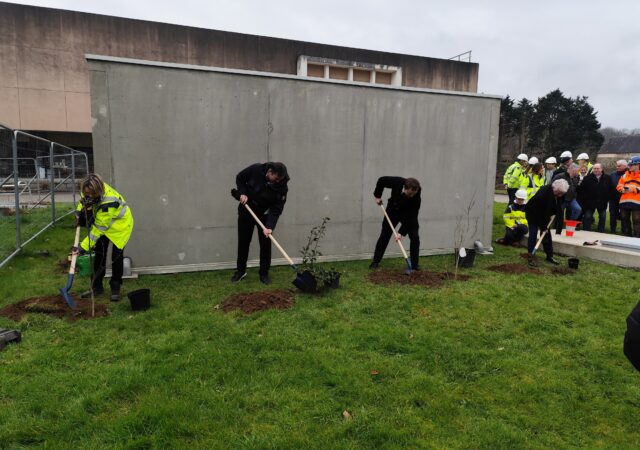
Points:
[39,185]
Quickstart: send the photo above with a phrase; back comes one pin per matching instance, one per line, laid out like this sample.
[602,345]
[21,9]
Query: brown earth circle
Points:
[250,302]
[420,278]
[54,305]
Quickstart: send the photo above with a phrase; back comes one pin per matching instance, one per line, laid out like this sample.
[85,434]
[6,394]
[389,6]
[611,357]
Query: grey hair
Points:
[623,162]
[560,186]
[574,166]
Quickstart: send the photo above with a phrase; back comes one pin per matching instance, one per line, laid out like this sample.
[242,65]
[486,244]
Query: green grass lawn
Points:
[499,361]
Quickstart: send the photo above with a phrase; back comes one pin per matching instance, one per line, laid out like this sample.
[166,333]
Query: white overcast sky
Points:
[524,48]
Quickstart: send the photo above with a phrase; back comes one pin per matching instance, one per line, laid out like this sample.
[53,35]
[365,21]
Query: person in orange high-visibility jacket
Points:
[629,187]
[103,210]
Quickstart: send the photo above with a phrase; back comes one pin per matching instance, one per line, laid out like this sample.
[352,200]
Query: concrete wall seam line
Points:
[143,62]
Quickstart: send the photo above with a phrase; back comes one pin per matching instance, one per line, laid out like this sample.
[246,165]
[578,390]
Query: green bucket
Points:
[83,265]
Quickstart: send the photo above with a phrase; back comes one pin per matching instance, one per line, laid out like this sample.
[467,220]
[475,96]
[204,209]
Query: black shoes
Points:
[550,260]
[115,293]
[374,265]
[96,292]
[264,279]
[237,276]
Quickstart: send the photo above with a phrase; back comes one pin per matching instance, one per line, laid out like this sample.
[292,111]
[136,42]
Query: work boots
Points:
[115,293]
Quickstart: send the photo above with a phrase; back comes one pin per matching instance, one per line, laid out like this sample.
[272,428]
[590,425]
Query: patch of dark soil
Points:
[421,277]
[63,265]
[514,268]
[54,305]
[251,302]
[563,271]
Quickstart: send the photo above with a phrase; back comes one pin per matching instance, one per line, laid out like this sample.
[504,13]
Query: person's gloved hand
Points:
[77,251]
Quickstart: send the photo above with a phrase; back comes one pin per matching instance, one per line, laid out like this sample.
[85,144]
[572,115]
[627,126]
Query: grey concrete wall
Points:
[172,138]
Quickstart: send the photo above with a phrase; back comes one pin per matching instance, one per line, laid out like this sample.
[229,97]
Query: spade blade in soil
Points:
[409,268]
[305,281]
[66,295]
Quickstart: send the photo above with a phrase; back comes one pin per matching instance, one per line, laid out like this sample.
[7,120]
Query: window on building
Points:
[357,72]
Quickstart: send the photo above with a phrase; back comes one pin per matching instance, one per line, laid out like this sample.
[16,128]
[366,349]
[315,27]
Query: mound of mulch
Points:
[420,277]
[54,305]
[563,271]
[250,302]
[514,269]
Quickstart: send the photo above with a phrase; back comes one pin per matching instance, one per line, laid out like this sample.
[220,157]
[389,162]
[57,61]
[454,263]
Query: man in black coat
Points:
[539,210]
[402,207]
[264,188]
[593,195]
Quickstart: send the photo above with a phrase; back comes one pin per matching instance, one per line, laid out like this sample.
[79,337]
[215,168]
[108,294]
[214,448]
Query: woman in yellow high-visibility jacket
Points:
[109,219]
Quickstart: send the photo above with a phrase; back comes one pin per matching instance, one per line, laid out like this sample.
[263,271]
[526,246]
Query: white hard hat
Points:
[533,160]
[521,194]
[583,156]
[566,154]
[522,157]
[551,160]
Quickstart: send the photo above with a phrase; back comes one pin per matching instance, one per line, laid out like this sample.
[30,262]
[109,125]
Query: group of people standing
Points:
[572,191]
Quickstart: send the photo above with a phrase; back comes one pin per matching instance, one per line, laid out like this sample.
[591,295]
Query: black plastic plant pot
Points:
[140,299]
[467,261]
[306,282]
[334,283]
[573,263]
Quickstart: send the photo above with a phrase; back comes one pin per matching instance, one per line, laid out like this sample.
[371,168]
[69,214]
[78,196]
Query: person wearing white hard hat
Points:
[515,221]
[583,161]
[514,176]
[550,165]
[535,179]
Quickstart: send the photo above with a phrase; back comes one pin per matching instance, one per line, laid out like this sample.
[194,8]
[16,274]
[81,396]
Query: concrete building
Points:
[616,148]
[172,138]
[44,81]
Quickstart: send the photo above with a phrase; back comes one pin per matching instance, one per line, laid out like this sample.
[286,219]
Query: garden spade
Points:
[72,270]
[305,281]
[396,234]
[532,258]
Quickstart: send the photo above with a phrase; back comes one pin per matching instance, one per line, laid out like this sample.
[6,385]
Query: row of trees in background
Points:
[548,127]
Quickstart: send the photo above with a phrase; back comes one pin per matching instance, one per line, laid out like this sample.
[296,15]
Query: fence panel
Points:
[39,182]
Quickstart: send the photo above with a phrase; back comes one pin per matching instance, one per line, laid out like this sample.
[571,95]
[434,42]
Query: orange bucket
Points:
[571,226]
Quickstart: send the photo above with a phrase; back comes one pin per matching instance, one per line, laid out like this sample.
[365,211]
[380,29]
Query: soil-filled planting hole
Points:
[420,277]
[514,268]
[54,305]
[250,302]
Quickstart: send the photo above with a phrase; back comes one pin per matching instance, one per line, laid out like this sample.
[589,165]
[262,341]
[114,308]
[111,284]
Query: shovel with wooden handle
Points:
[396,235]
[535,249]
[304,281]
[72,270]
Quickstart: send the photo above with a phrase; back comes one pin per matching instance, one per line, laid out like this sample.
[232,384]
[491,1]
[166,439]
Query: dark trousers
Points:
[385,235]
[626,215]
[512,235]
[100,264]
[588,219]
[246,225]
[614,214]
[511,192]
[547,244]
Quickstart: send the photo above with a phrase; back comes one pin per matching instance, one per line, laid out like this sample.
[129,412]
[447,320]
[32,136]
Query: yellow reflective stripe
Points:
[101,228]
[93,237]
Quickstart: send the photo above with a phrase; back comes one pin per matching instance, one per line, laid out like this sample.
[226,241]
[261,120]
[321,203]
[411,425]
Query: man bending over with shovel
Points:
[103,210]
[402,207]
[264,188]
[539,212]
